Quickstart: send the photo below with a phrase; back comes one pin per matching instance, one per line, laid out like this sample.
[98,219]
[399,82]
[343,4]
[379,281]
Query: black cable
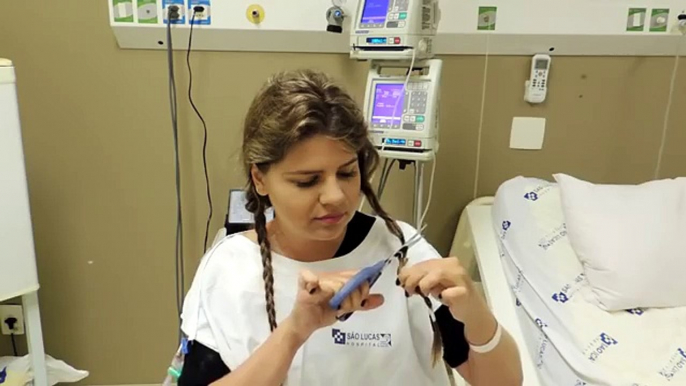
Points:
[14,346]
[204,126]
[179,260]
[379,189]
[384,177]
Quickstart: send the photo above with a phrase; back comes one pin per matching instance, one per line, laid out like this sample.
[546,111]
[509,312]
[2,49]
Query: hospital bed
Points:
[476,245]
[534,283]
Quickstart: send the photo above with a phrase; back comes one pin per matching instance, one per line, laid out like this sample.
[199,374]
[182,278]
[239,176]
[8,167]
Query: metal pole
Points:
[34,336]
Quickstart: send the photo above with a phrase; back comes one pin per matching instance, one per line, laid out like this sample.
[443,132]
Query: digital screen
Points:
[395,141]
[388,97]
[377,40]
[541,64]
[374,12]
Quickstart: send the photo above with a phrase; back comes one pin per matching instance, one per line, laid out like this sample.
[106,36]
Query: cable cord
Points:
[387,167]
[14,346]
[481,119]
[204,126]
[173,105]
[402,94]
[431,191]
[668,110]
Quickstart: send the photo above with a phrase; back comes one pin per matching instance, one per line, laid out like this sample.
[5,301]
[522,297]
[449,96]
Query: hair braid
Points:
[257,206]
[437,346]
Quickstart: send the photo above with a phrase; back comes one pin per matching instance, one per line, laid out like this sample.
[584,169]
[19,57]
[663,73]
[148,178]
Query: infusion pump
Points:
[394,29]
[403,120]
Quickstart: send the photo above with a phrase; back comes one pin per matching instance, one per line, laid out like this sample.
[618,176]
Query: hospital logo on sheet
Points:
[676,364]
[553,237]
[506,225]
[537,193]
[358,339]
[569,290]
[541,350]
[540,323]
[599,346]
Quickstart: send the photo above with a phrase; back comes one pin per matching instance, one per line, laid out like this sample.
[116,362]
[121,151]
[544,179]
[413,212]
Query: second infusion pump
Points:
[404,119]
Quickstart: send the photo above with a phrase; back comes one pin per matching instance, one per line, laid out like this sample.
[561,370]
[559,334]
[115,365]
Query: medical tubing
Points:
[670,99]
[173,104]
[204,125]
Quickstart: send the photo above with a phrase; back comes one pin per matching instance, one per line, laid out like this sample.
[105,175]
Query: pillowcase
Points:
[631,240]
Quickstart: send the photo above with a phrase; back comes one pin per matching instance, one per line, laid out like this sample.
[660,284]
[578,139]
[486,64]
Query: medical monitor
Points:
[394,29]
[403,117]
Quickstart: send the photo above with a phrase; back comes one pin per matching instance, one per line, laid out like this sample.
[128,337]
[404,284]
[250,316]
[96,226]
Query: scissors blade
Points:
[402,251]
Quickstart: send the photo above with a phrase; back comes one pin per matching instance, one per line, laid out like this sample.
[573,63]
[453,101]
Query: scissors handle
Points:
[369,274]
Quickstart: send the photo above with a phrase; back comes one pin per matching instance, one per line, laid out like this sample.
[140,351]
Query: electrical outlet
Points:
[12,311]
[202,11]
[180,9]
[681,22]
[201,16]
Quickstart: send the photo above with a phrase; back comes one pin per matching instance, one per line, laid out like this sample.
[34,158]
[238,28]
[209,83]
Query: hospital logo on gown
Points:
[3,375]
[361,339]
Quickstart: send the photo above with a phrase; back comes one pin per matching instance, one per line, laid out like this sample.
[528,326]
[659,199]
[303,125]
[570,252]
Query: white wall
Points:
[522,27]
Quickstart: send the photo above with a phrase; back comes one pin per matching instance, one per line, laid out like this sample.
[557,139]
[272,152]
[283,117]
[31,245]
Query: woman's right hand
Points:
[312,311]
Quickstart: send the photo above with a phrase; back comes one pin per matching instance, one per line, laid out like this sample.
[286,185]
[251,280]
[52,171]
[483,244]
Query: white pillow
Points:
[631,240]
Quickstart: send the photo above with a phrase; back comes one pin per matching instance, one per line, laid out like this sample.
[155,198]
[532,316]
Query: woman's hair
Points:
[291,107]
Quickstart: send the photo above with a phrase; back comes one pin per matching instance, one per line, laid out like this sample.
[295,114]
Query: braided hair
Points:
[291,107]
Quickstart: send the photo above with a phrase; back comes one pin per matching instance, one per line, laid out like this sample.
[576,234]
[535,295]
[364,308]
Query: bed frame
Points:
[476,245]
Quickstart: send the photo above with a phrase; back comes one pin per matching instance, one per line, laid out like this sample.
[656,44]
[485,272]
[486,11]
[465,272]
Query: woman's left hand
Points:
[446,280]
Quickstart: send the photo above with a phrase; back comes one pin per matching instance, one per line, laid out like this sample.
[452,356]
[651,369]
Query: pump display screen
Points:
[395,141]
[374,11]
[387,98]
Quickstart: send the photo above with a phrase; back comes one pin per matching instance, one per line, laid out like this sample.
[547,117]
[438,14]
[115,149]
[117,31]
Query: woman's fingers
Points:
[453,295]
[431,284]
[309,281]
[373,301]
[364,293]
[332,283]
[411,282]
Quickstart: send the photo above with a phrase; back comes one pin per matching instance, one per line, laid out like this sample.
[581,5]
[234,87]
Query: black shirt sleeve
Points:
[201,366]
[455,345]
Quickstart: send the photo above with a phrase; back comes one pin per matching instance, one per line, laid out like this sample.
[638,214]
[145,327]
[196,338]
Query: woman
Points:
[257,312]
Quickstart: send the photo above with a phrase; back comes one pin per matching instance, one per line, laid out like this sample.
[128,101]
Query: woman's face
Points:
[315,189]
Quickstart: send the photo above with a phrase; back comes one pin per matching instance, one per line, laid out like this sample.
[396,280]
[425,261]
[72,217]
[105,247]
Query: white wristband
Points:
[488,347]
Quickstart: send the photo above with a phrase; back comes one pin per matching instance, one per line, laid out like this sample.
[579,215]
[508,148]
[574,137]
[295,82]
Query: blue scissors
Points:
[369,274]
